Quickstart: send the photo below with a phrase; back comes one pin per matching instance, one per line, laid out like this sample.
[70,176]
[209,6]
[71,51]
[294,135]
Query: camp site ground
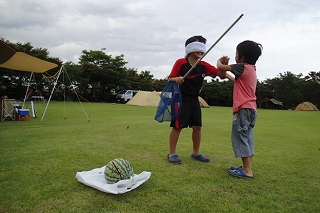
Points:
[39,161]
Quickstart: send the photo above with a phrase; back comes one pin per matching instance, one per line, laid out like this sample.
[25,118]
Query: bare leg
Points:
[173,140]
[247,161]
[196,139]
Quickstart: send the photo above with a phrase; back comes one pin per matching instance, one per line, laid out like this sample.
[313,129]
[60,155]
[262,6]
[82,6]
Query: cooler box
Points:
[23,111]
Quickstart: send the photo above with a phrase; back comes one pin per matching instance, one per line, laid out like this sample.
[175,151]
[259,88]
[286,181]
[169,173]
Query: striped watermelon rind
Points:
[118,169]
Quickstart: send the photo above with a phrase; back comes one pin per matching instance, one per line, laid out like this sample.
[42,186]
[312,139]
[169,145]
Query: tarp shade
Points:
[274,101]
[20,61]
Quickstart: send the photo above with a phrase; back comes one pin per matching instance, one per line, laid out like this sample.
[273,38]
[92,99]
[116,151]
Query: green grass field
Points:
[39,160]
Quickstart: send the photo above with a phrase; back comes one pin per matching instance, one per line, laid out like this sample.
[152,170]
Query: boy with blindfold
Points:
[190,87]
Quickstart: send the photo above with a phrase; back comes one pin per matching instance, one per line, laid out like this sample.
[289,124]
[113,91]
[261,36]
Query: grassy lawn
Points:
[39,160]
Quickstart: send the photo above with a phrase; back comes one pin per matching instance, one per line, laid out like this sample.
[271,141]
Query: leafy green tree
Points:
[159,84]
[102,73]
[98,77]
[292,89]
[313,76]
[287,88]
[217,93]
[264,90]
[145,81]
[132,80]
[311,88]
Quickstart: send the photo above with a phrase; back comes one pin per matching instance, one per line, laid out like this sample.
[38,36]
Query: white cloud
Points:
[151,34]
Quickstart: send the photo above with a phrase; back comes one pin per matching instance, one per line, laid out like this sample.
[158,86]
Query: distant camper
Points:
[125,95]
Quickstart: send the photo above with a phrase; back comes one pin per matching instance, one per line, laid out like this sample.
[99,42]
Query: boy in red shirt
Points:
[190,115]
[244,103]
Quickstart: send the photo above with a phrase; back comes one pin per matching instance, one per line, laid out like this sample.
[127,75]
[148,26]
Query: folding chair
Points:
[7,110]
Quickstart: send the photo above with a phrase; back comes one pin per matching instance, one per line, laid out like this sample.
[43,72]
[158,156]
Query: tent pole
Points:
[25,96]
[54,86]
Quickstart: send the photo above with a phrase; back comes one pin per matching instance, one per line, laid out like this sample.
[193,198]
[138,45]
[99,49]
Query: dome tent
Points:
[145,98]
[306,106]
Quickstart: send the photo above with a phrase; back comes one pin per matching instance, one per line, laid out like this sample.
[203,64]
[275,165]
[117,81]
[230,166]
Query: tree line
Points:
[98,77]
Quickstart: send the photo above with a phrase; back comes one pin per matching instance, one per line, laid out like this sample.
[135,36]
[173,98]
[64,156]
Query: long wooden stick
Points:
[198,61]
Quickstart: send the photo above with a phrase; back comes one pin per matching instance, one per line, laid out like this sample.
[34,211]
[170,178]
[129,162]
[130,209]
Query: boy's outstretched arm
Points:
[230,77]
[223,67]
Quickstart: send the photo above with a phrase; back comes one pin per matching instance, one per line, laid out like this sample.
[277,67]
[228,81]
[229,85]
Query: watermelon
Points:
[118,169]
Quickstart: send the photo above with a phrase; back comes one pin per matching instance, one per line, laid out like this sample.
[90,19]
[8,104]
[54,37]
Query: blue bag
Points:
[169,106]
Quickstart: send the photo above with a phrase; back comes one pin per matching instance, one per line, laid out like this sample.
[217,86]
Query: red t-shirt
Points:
[244,88]
[193,82]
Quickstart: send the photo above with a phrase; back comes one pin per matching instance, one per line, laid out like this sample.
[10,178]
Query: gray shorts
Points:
[242,132]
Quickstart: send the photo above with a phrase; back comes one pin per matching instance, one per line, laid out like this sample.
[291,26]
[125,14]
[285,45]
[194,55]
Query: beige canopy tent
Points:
[11,59]
[144,98]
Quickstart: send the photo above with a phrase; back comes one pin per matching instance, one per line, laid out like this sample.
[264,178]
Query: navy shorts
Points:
[190,114]
[242,132]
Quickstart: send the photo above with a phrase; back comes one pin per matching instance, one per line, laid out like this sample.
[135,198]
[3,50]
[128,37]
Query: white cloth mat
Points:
[95,179]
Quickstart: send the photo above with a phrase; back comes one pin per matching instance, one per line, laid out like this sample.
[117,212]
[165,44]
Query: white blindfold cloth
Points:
[195,47]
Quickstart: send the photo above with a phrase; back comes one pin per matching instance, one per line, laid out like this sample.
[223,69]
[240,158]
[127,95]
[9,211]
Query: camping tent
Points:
[11,59]
[144,98]
[306,106]
[203,103]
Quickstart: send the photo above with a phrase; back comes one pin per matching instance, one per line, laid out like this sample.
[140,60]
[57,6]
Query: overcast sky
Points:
[151,34]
